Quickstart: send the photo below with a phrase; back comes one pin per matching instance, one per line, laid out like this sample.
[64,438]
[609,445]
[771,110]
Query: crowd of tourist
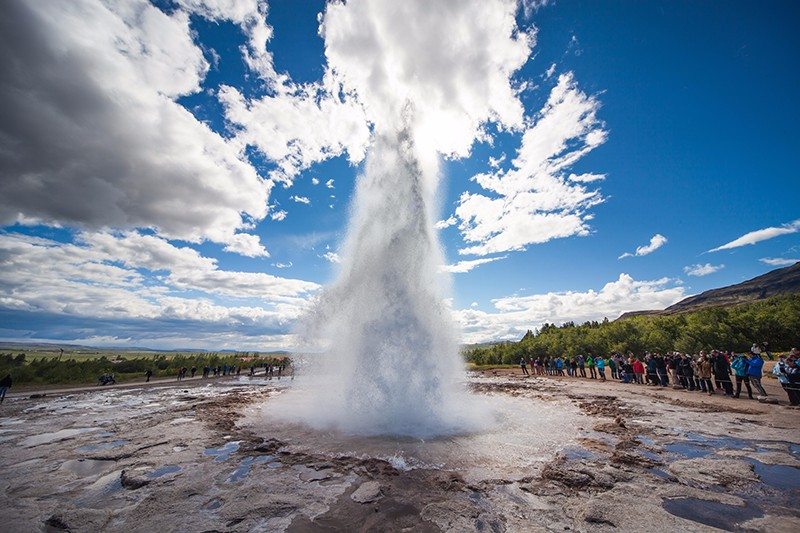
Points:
[712,372]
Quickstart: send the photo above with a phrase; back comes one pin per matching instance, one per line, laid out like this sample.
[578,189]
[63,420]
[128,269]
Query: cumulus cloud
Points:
[533,201]
[778,261]
[702,270]
[442,224]
[277,126]
[517,314]
[760,235]
[329,184]
[92,135]
[656,242]
[300,199]
[465,266]
[134,284]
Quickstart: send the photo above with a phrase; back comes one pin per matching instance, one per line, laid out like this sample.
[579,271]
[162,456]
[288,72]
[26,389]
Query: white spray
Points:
[393,365]
[429,76]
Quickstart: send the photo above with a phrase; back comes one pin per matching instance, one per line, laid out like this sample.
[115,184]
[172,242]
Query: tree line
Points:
[49,370]
[775,320]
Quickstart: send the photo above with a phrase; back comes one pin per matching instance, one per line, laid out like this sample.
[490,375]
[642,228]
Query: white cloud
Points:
[702,270]
[332,257]
[534,202]
[277,126]
[495,162]
[442,224]
[92,134]
[656,242]
[778,261]
[465,266]
[586,178]
[518,314]
[246,245]
[531,6]
[550,71]
[314,181]
[329,184]
[300,199]
[761,235]
[132,285]
[279,215]
[282,265]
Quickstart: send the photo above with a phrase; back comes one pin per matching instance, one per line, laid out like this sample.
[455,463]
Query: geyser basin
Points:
[516,434]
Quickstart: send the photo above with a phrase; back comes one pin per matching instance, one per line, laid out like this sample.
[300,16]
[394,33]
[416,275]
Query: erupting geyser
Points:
[429,81]
[393,365]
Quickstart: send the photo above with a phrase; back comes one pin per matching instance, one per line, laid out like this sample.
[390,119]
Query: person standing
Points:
[590,363]
[612,366]
[739,367]
[672,367]
[755,371]
[638,371]
[5,384]
[722,372]
[600,363]
[524,365]
[704,369]
[792,371]
[789,376]
[148,375]
[661,370]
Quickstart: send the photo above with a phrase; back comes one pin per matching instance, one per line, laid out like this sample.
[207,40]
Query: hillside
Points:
[775,283]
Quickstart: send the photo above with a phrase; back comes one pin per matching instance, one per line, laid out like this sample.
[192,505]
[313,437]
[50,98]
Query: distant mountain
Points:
[776,283]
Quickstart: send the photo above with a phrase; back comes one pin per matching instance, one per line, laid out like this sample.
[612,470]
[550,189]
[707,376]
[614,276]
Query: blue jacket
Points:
[754,367]
[739,367]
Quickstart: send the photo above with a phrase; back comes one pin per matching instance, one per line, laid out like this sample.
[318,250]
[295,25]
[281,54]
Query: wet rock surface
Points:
[563,456]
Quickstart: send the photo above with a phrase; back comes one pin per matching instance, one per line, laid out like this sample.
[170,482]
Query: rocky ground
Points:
[568,455]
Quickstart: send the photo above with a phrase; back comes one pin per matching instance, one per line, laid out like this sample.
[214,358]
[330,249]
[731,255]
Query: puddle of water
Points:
[689,451]
[243,470]
[102,446]
[86,467]
[163,471]
[275,464]
[221,454]
[777,476]
[46,438]
[714,514]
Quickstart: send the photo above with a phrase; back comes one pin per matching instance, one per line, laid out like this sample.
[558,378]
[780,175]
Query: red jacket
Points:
[638,367]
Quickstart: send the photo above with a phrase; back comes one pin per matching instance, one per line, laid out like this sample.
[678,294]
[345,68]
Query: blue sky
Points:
[180,174]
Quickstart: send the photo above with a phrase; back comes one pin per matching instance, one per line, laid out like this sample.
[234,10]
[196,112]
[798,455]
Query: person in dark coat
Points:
[5,384]
[792,373]
[722,372]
